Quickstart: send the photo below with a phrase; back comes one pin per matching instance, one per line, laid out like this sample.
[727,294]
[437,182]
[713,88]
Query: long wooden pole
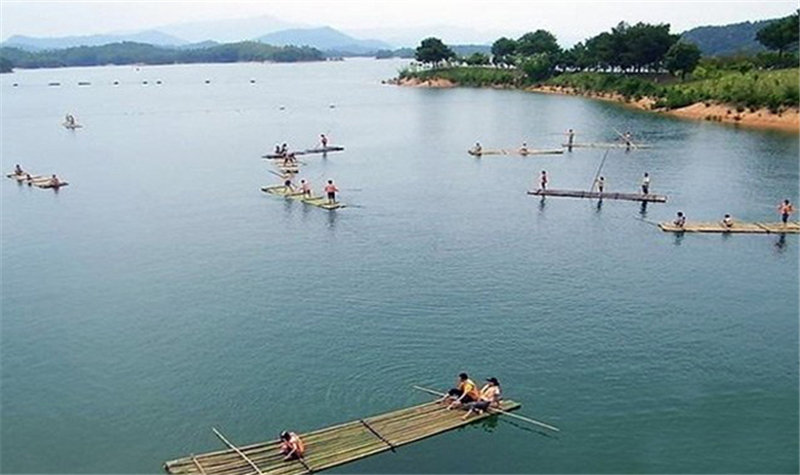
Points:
[494,409]
[222,438]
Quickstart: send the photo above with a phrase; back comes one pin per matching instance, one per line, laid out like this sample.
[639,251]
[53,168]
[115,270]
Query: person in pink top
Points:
[330,190]
[305,188]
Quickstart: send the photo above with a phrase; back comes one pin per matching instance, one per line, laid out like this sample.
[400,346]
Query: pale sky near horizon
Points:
[566,18]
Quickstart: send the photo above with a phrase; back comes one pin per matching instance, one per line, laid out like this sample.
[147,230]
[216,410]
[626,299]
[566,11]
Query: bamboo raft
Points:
[332,446]
[39,181]
[738,227]
[318,201]
[597,195]
[71,126]
[606,145]
[555,151]
[308,151]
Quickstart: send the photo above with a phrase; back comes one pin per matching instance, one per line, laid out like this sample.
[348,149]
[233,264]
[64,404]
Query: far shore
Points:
[787,120]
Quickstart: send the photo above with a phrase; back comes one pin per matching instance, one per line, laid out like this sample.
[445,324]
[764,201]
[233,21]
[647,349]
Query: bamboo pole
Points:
[494,409]
[222,437]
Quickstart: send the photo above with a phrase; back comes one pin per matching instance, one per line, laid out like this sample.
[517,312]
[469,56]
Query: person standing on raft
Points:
[305,188]
[601,184]
[292,446]
[646,183]
[489,397]
[570,139]
[330,191]
[323,140]
[543,181]
[785,209]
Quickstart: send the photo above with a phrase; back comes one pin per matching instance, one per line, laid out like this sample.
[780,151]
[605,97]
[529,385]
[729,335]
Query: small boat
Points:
[71,126]
[737,227]
[318,201]
[598,195]
[48,184]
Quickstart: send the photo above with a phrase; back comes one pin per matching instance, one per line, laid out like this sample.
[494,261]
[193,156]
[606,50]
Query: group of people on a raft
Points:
[52,181]
[330,188]
[465,395]
[785,209]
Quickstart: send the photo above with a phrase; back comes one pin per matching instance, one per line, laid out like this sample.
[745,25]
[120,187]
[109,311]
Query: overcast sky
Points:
[567,19]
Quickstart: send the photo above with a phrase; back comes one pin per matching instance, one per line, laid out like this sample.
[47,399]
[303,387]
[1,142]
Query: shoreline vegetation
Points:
[642,66]
[708,100]
[127,53]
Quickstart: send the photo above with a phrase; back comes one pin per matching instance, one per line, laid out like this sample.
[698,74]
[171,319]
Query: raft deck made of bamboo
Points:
[555,151]
[332,446]
[308,151]
[738,227]
[632,146]
[600,196]
[318,201]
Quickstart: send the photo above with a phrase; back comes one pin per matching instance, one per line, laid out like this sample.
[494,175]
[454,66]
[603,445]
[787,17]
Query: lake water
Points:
[162,293]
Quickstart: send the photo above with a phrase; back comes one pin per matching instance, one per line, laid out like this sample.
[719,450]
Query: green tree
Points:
[432,50]
[502,50]
[780,34]
[540,41]
[682,57]
[477,59]
[537,67]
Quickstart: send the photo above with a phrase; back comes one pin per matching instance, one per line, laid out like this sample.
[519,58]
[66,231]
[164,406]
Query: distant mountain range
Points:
[324,38]
[153,37]
[727,40]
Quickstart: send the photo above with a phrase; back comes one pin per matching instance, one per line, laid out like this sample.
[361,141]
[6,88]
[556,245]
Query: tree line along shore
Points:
[641,65]
[139,53]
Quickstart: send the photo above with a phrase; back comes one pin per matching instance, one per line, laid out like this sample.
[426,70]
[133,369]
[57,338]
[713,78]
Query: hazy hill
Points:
[324,38]
[30,43]
[727,40]
[229,30]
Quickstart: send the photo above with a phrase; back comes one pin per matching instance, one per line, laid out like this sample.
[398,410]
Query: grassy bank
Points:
[466,76]
[774,90]
[754,89]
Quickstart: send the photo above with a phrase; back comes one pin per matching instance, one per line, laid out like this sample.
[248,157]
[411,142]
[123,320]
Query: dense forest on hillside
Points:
[140,53]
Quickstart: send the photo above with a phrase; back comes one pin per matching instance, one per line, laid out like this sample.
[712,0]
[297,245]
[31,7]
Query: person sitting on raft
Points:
[284,149]
[489,397]
[18,170]
[680,220]
[287,182]
[277,149]
[289,159]
[465,392]
[524,149]
[292,446]
[330,190]
[477,149]
[305,188]
[727,222]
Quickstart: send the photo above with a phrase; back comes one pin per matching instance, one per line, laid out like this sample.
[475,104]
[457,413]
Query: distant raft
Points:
[40,181]
[554,151]
[71,126]
[632,146]
[600,196]
[308,151]
[318,201]
[332,446]
[738,227]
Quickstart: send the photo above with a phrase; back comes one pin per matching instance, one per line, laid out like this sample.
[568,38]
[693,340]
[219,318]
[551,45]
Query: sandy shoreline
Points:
[787,121]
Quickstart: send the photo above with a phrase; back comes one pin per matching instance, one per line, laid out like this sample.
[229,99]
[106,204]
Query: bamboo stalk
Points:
[222,437]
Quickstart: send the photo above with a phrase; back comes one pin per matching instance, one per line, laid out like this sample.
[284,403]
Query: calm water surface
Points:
[162,293]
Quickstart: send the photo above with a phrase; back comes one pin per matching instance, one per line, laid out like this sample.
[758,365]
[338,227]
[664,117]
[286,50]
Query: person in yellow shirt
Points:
[465,392]
[489,397]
